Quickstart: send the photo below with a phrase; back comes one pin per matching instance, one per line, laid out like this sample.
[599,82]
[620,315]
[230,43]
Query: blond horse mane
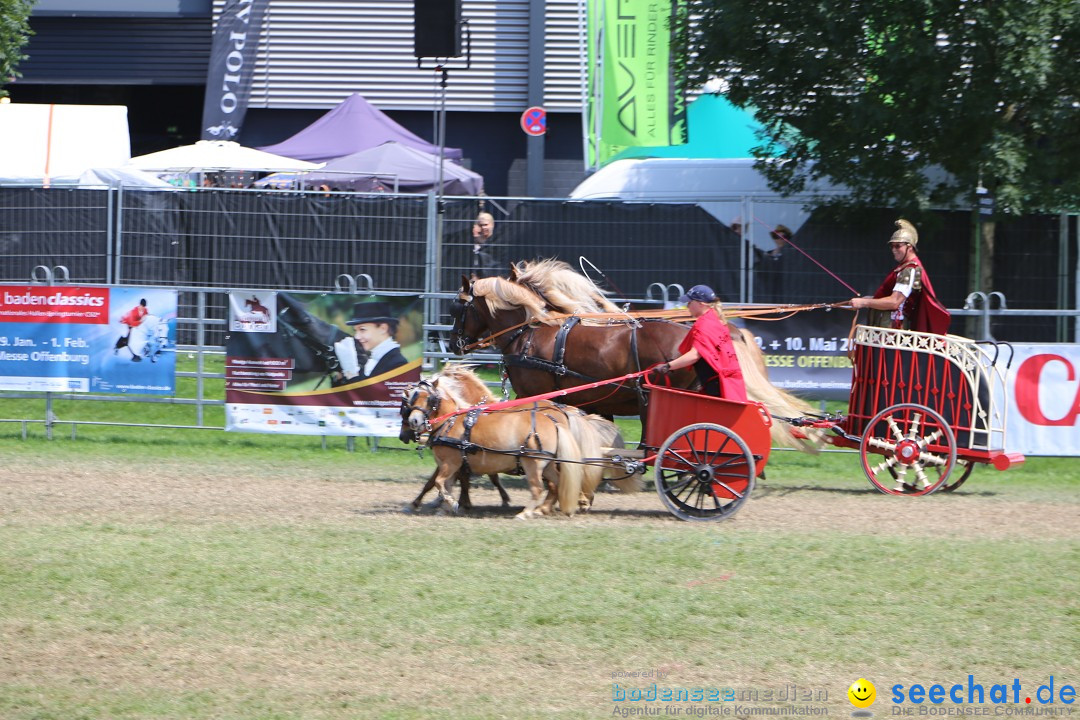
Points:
[462,386]
[502,294]
[564,290]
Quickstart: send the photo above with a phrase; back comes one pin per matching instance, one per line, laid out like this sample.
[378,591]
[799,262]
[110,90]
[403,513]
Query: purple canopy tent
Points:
[390,164]
[352,126]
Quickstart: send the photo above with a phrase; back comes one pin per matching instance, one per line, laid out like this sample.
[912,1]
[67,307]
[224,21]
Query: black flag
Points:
[232,63]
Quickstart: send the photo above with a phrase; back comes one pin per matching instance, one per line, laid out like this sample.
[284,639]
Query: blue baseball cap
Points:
[701,293]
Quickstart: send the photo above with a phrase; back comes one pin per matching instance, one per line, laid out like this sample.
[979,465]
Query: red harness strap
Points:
[504,404]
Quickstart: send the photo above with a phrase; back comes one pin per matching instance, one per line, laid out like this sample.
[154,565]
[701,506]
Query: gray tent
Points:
[393,165]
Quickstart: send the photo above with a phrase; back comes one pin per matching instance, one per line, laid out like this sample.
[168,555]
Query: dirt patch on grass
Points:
[244,495]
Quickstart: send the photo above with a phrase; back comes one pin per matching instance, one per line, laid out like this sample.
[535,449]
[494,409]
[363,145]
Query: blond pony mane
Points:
[462,386]
[565,290]
[501,294]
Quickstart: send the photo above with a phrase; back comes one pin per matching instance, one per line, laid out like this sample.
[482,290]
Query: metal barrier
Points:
[205,241]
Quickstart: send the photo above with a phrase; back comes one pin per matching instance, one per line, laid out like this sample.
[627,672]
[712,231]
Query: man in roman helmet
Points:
[906,300]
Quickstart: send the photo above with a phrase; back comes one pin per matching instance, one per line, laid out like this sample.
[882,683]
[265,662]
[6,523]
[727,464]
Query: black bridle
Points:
[458,311]
[408,404]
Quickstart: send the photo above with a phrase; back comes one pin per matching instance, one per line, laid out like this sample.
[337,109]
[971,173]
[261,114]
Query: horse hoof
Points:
[410,509]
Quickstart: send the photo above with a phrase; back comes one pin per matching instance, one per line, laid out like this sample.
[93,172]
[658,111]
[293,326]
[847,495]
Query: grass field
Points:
[148,573]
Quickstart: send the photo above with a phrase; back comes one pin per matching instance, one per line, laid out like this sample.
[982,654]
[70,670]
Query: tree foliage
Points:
[14,32]
[881,96]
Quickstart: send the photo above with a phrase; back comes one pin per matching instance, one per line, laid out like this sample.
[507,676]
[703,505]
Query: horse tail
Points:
[779,403]
[571,472]
[610,437]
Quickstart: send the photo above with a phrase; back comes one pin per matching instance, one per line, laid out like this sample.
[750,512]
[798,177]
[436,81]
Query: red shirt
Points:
[711,338]
[135,316]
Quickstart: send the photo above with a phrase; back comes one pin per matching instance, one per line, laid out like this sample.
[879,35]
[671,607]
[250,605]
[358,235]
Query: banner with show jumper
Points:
[232,64]
[63,338]
[320,363]
[807,354]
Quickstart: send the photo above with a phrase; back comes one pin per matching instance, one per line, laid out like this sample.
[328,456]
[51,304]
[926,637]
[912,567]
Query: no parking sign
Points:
[534,121]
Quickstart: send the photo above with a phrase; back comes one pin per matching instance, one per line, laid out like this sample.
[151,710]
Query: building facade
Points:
[152,56]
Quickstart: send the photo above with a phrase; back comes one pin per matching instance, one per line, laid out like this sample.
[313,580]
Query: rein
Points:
[505,404]
[675,315]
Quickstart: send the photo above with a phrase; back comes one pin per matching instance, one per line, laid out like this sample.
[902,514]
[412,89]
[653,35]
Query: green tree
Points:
[909,103]
[14,32]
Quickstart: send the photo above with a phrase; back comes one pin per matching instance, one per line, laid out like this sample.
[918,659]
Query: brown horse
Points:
[558,447]
[543,354]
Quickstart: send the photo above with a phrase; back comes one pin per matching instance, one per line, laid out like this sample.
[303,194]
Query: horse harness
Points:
[440,435]
[557,364]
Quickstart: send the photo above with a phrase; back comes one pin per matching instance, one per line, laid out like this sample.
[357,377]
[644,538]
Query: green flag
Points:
[633,99]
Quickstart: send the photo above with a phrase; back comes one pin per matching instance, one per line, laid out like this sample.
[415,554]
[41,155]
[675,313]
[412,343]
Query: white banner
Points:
[1044,400]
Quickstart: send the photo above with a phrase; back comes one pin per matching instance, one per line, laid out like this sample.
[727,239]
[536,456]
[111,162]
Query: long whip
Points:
[831,274]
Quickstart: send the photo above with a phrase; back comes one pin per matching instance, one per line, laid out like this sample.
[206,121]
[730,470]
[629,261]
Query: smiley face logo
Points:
[862,693]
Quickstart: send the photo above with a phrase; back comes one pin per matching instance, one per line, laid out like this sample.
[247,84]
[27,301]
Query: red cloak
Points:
[922,307]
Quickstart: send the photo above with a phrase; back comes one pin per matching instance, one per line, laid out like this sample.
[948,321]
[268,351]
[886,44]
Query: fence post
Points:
[432,262]
[200,339]
[119,244]
[111,195]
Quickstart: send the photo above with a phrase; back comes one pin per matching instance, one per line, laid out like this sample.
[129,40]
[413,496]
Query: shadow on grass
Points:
[762,490]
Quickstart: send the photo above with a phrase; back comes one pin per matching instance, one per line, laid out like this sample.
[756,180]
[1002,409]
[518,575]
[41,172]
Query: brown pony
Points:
[543,354]
[558,447]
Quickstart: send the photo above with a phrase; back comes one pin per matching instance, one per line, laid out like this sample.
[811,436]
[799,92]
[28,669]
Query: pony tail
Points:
[778,402]
[571,474]
[608,436]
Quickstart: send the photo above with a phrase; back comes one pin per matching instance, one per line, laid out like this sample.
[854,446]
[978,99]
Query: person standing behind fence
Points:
[485,255]
[769,268]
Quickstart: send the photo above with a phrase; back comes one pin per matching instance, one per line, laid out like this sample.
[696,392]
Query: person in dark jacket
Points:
[374,351]
[485,260]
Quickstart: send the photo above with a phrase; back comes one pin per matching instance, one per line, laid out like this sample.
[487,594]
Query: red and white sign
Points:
[55,304]
[1044,400]
[534,121]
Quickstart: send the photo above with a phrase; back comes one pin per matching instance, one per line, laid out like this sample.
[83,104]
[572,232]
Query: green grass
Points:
[731,608]
[124,596]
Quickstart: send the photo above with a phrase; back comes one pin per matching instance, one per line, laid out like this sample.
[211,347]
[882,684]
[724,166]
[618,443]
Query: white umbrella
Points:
[217,155]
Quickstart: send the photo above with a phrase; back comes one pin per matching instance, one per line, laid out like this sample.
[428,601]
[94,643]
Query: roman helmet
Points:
[905,233]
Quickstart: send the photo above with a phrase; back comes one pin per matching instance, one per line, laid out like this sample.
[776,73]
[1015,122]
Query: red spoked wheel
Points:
[908,449]
[704,472]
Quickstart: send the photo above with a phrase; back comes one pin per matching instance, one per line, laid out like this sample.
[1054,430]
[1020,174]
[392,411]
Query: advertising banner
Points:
[1044,400]
[633,99]
[232,64]
[807,354]
[88,339]
[320,364]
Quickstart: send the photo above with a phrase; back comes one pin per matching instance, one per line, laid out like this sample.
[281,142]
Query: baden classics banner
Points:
[320,364]
[88,339]
[232,63]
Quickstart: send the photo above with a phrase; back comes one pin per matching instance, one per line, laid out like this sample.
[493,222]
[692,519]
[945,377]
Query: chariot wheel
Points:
[916,449]
[967,466]
[704,472]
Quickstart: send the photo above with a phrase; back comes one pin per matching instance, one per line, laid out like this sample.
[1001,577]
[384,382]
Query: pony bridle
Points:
[462,342]
[408,406]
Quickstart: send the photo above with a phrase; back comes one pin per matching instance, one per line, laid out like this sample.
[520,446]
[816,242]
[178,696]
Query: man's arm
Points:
[890,302]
